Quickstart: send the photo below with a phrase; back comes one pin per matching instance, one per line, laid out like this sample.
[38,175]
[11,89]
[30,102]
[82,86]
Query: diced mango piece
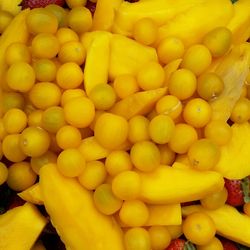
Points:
[128,56]
[104,14]
[168,185]
[97,62]
[239,24]
[164,215]
[92,150]
[32,194]
[20,227]
[159,10]
[139,103]
[13,6]
[192,25]
[170,68]
[234,161]
[229,222]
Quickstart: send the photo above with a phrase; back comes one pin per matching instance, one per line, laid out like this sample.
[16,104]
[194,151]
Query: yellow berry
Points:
[53,119]
[79,112]
[20,176]
[38,162]
[72,51]
[103,96]
[44,95]
[145,156]
[71,162]
[45,70]
[111,130]
[34,141]
[65,35]
[59,12]
[134,213]
[241,111]
[167,154]
[11,148]
[169,49]
[118,161]
[151,76]
[17,52]
[68,137]
[5,20]
[105,201]
[20,77]
[214,244]
[197,112]
[145,31]
[76,3]
[197,58]
[137,238]
[69,94]
[209,86]
[126,185]
[218,41]
[12,100]
[41,20]
[138,129]
[183,137]
[203,154]
[161,128]
[80,19]
[35,118]
[69,75]
[14,120]
[93,175]
[160,237]
[215,200]
[169,105]
[125,85]
[45,46]
[182,84]
[218,131]
[3,173]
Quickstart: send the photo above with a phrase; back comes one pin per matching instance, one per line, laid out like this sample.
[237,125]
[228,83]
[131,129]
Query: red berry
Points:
[177,244]
[228,244]
[91,6]
[235,192]
[40,3]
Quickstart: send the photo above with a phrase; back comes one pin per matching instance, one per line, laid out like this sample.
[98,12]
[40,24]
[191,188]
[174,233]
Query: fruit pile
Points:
[125,124]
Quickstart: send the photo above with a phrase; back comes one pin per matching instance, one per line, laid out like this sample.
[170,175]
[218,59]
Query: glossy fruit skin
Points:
[40,3]
[235,192]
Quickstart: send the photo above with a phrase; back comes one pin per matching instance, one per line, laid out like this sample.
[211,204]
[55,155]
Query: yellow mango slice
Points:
[104,14]
[229,222]
[74,215]
[97,62]
[170,68]
[159,10]
[128,56]
[192,25]
[32,194]
[239,24]
[20,227]
[168,185]
[164,215]
[234,161]
[12,6]
[139,103]
[92,150]
[233,69]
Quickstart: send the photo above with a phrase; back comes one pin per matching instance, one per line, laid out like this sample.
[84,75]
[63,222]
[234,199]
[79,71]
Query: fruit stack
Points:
[125,124]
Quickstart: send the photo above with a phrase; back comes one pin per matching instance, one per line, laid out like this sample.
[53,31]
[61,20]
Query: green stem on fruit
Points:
[189,246]
[246,187]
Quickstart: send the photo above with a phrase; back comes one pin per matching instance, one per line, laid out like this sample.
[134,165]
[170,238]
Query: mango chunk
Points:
[104,14]
[164,215]
[92,150]
[159,10]
[32,194]
[20,227]
[239,24]
[139,103]
[171,185]
[79,224]
[229,222]
[97,62]
[12,6]
[234,161]
[192,25]
[128,56]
